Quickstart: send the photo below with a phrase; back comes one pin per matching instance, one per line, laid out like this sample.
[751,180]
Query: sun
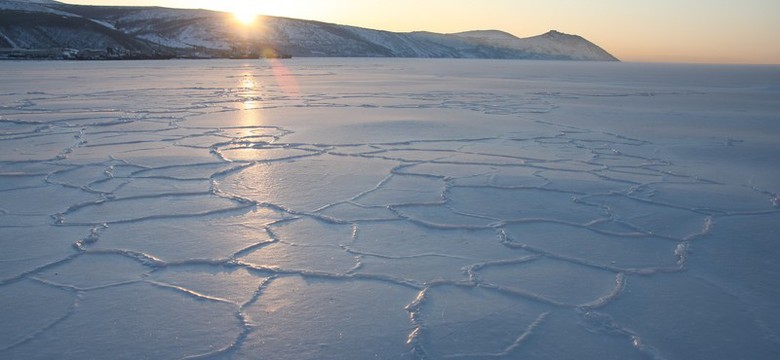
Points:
[244,12]
[245,16]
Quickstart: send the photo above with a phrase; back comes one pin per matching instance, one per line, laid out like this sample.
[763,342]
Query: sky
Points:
[690,31]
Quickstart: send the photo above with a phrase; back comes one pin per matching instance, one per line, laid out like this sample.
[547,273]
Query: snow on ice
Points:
[378,208]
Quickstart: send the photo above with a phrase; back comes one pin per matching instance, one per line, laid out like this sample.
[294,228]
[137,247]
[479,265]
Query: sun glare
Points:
[245,16]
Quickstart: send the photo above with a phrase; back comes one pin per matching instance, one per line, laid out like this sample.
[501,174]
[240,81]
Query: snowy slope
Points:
[31,6]
[43,30]
[211,33]
[45,24]
[552,43]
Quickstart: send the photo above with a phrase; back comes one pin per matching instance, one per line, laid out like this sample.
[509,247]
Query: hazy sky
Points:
[709,31]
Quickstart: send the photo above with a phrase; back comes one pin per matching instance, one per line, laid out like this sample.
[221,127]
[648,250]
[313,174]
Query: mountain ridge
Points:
[142,31]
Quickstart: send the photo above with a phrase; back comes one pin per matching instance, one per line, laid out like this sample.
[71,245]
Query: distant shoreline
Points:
[117,54]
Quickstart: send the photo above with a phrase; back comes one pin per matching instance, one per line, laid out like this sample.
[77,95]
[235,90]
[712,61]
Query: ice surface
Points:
[334,318]
[458,324]
[413,209]
[137,320]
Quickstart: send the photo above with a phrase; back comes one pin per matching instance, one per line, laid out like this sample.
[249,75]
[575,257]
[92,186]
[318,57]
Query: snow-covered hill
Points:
[181,32]
[552,43]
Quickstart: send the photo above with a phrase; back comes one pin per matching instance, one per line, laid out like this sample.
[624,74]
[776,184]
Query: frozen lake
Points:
[389,209]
